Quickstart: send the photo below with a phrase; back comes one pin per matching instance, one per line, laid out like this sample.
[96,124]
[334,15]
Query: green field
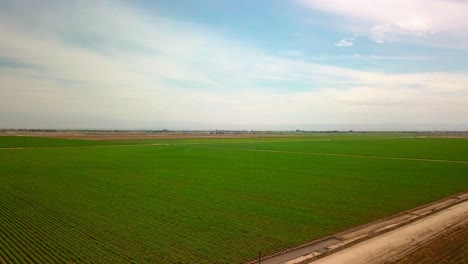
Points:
[16,142]
[207,201]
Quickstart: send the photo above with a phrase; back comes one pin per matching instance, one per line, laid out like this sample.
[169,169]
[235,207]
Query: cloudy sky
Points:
[247,64]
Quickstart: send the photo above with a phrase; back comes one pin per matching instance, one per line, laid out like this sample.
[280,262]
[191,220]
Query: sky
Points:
[234,64]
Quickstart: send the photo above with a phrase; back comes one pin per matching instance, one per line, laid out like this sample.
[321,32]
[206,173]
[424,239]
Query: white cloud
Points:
[443,22]
[107,65]
[346,42]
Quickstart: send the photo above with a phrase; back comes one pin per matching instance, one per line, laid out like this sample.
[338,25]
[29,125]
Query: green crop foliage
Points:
[424,148]
[17,141]
[201,201]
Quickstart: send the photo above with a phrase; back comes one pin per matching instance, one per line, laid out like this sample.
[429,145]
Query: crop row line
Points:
[57,219]
[47,237]
[53,234]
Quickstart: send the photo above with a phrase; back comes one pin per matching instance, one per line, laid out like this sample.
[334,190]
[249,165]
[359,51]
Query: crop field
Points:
[208,200]
[18,142]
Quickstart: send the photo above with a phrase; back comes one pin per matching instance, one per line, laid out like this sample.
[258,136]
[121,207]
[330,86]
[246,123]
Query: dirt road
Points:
[399,242]
[451,248]
[382,240]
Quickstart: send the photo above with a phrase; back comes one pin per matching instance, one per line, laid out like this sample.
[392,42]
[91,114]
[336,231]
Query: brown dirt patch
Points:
[451,248]
[395,244]
[137,136]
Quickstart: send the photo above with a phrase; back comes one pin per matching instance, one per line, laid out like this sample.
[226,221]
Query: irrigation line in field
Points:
[338,155]
[203,145]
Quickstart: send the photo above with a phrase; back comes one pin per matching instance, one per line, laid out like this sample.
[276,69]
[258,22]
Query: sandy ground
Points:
[395,244]
[451,248]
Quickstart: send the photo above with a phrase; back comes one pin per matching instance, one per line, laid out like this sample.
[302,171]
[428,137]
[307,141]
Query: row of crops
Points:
[186,204]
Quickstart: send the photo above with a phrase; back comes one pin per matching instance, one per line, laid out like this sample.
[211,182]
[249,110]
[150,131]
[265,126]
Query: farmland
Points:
[208,200]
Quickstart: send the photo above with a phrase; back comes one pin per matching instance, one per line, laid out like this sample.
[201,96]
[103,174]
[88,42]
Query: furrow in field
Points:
[54,234]
[6,252]
[40,243]
[27,243]
[102,238]
[36,235]
[17,235]
[173,234]
[37,238]
[18,248]
[102,244]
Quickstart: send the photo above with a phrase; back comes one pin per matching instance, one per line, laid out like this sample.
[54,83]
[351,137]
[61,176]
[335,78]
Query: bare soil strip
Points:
[116,136]
[451,248]
[395,244]
[383,241]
